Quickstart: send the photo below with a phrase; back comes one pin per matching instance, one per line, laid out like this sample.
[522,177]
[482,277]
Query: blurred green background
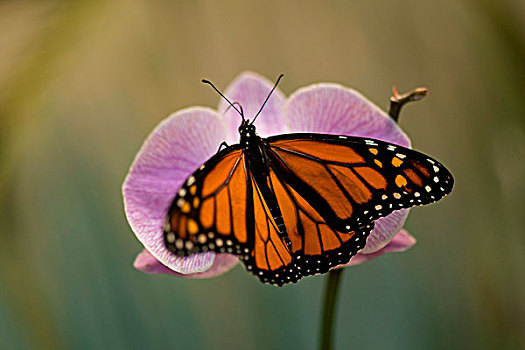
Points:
[83,83]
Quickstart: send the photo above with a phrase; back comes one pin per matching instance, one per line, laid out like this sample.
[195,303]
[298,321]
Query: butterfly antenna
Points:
[267,97]
[233,104]
[241,112]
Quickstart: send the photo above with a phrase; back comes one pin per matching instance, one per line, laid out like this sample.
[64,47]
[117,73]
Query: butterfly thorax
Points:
[254,149]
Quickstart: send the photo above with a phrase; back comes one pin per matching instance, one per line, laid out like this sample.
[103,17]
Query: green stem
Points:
[330,297]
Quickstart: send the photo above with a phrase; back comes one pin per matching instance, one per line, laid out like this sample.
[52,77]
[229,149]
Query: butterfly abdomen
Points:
[257,164]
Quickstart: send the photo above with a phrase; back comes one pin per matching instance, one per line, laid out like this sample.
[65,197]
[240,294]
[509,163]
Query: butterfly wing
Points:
[315,245]
[213,210]
[352,181]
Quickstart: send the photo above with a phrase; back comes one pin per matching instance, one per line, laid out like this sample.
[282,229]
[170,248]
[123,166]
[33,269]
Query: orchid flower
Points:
[186,139]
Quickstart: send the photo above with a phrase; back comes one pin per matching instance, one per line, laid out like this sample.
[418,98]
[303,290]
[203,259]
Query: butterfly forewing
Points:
[353,181]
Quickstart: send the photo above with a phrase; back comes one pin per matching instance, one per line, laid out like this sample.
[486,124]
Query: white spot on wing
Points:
[167,225]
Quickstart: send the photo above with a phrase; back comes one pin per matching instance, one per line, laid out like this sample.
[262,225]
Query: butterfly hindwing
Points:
[315,246]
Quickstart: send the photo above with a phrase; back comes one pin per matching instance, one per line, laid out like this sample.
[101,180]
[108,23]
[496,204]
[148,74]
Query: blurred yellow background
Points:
[83,83]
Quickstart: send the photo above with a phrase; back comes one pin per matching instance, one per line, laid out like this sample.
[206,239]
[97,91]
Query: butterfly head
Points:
[247,133]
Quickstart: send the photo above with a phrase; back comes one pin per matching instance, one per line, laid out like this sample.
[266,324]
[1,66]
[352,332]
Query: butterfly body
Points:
[258,163]
[296,205]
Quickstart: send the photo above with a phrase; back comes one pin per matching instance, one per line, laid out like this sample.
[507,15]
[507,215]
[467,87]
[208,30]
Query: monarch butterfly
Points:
[295,205]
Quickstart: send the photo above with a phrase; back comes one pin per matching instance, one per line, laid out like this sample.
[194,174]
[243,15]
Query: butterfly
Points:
[295,205]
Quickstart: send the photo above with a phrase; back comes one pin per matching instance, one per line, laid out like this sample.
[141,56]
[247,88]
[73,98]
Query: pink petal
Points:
[401,242]
[173,151]
[147,263]
[385,230]
[250,90]
[335,109]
